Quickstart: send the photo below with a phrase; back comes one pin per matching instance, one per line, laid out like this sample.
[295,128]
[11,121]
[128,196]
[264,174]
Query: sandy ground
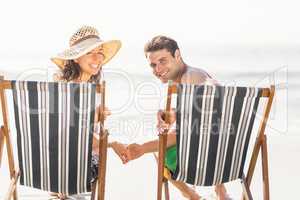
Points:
[137,179]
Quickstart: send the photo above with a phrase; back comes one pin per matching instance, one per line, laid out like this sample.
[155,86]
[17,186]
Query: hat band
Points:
[84,38]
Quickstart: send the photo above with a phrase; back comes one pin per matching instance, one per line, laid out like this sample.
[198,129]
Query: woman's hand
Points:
[121,150]
[105,113]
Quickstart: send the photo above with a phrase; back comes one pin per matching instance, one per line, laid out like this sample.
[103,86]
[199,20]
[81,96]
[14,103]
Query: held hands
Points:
[133,151]
[127,153]
[121,150]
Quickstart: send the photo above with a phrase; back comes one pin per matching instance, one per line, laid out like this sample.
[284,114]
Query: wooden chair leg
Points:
[253,161]
[261,135]
[5,129]
[163,137]
[246,190]
[93,192]
[102,165]
[10,156]
[1,144]
[165,182]
[161,156]
[12,186]
[262,144]
[265,171]
[167,192]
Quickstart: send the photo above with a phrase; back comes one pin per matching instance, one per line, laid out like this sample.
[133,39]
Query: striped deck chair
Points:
[213,128]
[54,128]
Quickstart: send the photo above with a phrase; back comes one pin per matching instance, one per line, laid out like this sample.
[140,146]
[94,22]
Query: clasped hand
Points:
[133,151]
[128,152]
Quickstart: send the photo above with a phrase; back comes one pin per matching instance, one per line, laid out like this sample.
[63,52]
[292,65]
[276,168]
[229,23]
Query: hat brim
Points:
[109,49]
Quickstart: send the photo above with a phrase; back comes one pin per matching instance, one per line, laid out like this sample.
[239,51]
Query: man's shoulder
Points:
[195,75]
[197,71]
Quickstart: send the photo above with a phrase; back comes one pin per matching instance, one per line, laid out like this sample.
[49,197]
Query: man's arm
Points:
[152,146]
[137,150]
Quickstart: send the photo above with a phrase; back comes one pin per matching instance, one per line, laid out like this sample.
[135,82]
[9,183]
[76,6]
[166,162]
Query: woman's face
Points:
[90,63]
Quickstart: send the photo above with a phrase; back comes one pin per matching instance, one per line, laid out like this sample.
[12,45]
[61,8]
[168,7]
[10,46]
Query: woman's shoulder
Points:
[57,76]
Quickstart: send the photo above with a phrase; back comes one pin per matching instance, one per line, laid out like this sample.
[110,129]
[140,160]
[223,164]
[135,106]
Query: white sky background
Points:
[35,30]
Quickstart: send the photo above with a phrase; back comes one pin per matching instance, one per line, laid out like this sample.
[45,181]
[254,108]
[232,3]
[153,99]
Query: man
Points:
[166,62]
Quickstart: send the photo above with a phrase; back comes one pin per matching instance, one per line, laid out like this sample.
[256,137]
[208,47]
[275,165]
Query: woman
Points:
[83,62]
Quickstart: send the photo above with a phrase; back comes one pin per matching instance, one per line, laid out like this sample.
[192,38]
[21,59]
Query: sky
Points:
[33,30]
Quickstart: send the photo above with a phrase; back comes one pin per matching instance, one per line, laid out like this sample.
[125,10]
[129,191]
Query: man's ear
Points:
[76,60]
[177,55]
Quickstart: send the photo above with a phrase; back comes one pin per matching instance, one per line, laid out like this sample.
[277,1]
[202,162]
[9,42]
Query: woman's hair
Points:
[71,72]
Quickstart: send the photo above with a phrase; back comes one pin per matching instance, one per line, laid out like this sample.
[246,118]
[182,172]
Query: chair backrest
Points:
[54,124]
[213,126]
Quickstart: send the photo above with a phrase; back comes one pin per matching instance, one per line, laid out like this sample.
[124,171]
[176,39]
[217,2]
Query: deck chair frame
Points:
[260,145]
[5,138]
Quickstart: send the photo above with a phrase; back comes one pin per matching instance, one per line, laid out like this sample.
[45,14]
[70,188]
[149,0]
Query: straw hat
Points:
[83,41]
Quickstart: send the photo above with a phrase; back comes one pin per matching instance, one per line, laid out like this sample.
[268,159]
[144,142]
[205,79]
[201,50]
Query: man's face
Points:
[164,65]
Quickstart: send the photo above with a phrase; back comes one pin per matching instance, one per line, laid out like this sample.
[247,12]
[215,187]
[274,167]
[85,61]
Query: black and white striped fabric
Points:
[54,123]
[213,126]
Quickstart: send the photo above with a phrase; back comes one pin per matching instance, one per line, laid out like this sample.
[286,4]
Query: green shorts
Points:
[171,158]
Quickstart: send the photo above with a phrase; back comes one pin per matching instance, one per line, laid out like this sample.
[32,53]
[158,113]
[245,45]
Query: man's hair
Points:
[161,42]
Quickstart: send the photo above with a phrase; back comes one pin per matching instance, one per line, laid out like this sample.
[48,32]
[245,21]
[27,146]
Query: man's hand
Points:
[134,151]
[161,123]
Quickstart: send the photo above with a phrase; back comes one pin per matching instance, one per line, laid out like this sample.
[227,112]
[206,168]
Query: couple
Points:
[83,62]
